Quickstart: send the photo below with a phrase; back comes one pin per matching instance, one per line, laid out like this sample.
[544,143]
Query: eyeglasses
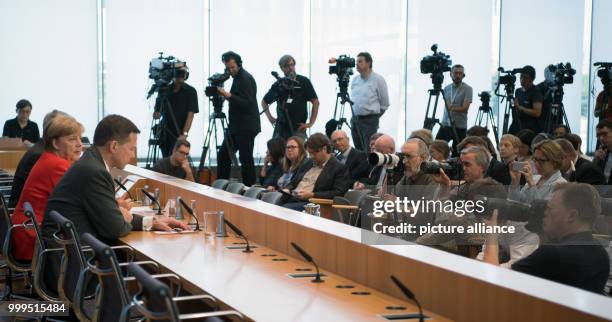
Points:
[538,160]
[289,147]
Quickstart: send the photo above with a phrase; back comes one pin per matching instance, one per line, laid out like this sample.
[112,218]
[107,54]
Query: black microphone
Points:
[150,196]
[190,211]
[239,233]
[409,295]
[123,188]
[308,258]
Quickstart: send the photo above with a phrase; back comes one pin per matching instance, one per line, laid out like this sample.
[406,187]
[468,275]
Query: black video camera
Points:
[604,72]
[485,98]
[214,82]
[452,167]
[163,71]
[559,74]
[510,76]
[436,63]
[344,65]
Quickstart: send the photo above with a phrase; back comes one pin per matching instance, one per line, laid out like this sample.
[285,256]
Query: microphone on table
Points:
[239,233]
[190,211]
[308,258]
[409,295]
[150,196]
[118,182]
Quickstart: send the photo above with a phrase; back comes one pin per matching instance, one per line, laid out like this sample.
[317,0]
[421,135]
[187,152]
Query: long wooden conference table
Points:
[358,285]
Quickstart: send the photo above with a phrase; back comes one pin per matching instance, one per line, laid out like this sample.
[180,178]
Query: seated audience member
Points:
[21,126]
[561,131]
[475,160]
[548,158]
[514,246]
[509,147]
[62,143]
[526,136]
[539,138]
[477,130]
[354,160]
[295,163]
[602,155]
[272,168]
[576,142]
[572,256]
[378,174]
[86,193]
[576,169]
[373,139]
[28,160]
[496,170]
[326,178]
[423,134]
[439,150]
[177,164]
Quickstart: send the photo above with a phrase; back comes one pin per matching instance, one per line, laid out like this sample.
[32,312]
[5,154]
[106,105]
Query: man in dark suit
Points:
[86,194]
[576,169]
[326,178]
[354,160]
[602,155]
[244,124]
[497,170]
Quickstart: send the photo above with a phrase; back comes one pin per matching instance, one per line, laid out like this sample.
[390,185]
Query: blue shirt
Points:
[370,95]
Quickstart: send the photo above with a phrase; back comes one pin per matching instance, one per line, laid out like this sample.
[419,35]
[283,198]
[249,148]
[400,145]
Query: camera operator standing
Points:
[371,99]
[244,122]
[458,99]
[178,116]
[291,108]
[528,103]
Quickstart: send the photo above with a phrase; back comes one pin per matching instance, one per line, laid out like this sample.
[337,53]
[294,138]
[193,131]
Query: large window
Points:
[39,64]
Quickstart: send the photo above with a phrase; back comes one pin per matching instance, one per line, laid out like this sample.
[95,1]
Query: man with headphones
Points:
[528,103]
[458,99]
[243,119]
[177,116]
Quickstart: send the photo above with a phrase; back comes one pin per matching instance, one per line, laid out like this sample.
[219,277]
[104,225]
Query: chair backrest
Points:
[5,223]
[254,192]
[355,197]
[220,184]
[73,261]
[39,258]
[273,197]
[154,299]
[235,187]
[112,295]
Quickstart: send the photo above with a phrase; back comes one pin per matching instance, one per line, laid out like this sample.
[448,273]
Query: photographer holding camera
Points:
[178,116]
[458,99]
[244,122]
[371,99]
[527,103]
[291,102]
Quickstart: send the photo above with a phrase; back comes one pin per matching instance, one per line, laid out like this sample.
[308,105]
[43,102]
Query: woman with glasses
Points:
[548,158]
[294,162]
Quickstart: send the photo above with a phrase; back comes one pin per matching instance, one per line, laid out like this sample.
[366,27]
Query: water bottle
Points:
[221,232]
[179,209]
[192,220]
[145,200]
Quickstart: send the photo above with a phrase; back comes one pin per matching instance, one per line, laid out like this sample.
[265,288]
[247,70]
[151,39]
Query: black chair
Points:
[39,258]
[235,187]
[155,303]
[220,184]
[111,295]
[273,197]
[254,192]
[347,208]
[13,265]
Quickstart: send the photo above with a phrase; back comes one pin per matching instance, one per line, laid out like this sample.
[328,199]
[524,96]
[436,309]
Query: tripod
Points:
[485,112]
[509,107]
[158,128]
[217,115]
[557,111]
[430,122]
[343,97]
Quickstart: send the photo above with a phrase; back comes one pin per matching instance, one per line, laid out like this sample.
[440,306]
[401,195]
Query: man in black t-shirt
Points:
[176,112]
[291,117]
[21,126]
[527,103]
[176,165]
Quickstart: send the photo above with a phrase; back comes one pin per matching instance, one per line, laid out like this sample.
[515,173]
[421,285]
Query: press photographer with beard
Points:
[178,116]
[244,124]
[291,118]
[528,103]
